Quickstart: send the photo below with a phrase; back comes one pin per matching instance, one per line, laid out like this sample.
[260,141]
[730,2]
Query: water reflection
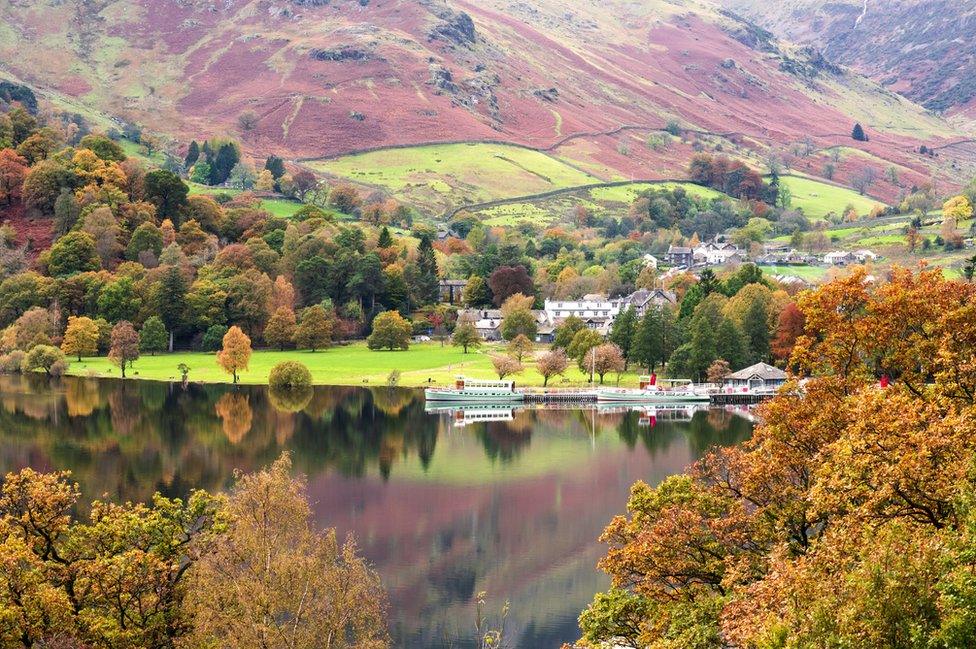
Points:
[445,504]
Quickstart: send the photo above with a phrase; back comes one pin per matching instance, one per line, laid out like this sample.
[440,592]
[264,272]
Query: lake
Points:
[444,504]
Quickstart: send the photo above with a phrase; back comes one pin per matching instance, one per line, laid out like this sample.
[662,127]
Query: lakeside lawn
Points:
[352,364]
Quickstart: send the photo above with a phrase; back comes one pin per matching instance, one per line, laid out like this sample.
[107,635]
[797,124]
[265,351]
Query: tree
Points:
[390,331]
[168,193]
[303,590]
[428,283]
[235,353]
[756,330]
[858,133]
[276,166]
[124,350]
[789,328]
[265,181]
[243,176]
[247,120]
[505,366]
[583,342]
[605,358]
[519,322]
[315,330]
[476,292]
[718,370]
[213,338]
[153,337]
[47,358]
[103,147]
[566,331]
[13,171]
[466,336]
[192,155]
[552,363]
[519,347]
[622,332]
[862,180]
[117,580]
[73,253]
[345,198]
[226,156]
[509,280]
[146,237]
[80,337]
[281,328]
[912,239]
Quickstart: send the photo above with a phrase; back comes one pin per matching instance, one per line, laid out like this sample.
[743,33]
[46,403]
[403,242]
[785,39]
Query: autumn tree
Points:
[466,336]
[80,337]
[235,353]
[315,330]
[45,357]
[274,580]
[789,328]
[509,280]
[519,347]
[13,170]
[281,328]
[603,359]
[718,370]
[73,253]
[505,366]
[390,331]
[552,363]
[584,340]
[124,349]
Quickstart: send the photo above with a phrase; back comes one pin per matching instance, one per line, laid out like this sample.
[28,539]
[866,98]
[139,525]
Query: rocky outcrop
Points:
[342,54]
[456,28]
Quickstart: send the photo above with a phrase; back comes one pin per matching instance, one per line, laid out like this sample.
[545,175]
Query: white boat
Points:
[675,391]
[467,390]
[465,415]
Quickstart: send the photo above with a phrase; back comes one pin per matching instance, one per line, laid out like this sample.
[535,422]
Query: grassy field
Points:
[817,199]
[627,193]
[284,207]
[446,174]
[352,364]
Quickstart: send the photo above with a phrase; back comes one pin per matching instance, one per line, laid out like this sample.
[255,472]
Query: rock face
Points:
[456,28]
[341,54]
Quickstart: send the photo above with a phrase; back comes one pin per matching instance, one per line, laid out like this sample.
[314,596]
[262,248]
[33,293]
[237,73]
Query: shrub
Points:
[290,374]
[213,340]
[12,362]
[47,358]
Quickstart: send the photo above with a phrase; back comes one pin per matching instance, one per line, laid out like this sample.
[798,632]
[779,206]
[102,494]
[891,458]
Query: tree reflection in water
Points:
[513,507]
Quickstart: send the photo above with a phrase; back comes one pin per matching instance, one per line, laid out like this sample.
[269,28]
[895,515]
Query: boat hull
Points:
[459,396]
[646,396]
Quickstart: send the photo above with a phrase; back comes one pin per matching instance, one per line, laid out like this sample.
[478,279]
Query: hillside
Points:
[324,79]
[920,49]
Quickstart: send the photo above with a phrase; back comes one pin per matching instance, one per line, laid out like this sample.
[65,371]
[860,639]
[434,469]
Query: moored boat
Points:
[676,391]
[467,390]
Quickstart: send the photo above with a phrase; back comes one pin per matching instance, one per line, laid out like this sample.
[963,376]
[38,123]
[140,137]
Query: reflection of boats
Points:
[467,390]
[675,391]
[462,416]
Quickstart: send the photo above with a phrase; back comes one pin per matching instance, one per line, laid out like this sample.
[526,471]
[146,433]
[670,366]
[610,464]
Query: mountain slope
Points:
[327,78]
[922,49]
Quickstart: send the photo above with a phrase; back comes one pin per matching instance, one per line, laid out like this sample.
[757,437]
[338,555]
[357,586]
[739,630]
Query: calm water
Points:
[444,508]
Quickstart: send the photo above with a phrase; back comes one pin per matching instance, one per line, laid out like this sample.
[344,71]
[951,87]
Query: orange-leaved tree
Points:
[235,353]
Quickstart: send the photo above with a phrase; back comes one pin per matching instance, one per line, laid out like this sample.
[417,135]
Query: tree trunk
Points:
[170,342]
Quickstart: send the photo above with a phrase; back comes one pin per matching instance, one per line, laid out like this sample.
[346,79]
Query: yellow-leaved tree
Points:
[235,354]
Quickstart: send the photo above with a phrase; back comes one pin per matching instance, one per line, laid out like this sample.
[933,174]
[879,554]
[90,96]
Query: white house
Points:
[597,311]
[839,258]
[650,261]
[863,256]
[717,254]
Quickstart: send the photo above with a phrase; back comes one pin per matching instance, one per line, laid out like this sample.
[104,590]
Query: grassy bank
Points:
[352,364]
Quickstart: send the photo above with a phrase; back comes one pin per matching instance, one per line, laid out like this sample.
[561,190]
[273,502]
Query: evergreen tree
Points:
[192,155]
[171,301]
[428,288]
[223,163]
[731,344]
[276,166]
[385,239]
[756,326]
[858,134]
[153,336]
[703,347]
[622,332]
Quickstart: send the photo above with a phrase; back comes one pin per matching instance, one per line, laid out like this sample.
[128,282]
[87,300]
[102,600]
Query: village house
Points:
[715,253]
[452,290]
[839,258]
[641,300]
[680,256]
[488,322]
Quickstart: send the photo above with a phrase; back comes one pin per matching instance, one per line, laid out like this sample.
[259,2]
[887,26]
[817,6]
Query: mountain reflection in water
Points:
[443,506]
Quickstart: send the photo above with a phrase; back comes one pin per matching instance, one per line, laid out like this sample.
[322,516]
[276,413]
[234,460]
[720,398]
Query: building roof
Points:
[763,371]
[680,250]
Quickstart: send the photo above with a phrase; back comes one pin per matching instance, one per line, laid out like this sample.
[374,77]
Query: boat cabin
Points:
[474,385]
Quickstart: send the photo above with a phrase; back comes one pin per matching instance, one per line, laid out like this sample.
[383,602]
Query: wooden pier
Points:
[740,398]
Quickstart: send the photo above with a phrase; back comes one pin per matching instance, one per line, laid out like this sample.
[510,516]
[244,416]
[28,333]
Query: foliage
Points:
[315,330]
[80,337]
[124,348]
[153,337]
[235,352]
[552,363]
[290,374]
[505,366]
[466,336]
[47,358]
[390,331]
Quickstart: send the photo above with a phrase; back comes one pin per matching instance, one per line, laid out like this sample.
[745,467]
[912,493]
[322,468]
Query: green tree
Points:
[168,193]
[315,330]
[103,147]
[213,338]
[192,155]
[520,322]
[75,252]
[385,239]
[566,331]
[47,358]
[390,331]
[466,336]
[428,283]
[731,345]
[756,330]
[146,237]
[276,166]
[153,337]
[171,301]
[119,300]
[622,332]
[583,342]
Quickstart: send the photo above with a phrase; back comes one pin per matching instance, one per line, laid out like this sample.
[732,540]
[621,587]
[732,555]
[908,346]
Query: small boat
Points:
[676,391]
[467,390]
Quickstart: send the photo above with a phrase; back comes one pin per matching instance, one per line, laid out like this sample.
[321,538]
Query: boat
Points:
[467,390]
[464,415]
[675,391]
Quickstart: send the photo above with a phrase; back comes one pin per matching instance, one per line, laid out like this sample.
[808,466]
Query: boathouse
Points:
[760,375]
